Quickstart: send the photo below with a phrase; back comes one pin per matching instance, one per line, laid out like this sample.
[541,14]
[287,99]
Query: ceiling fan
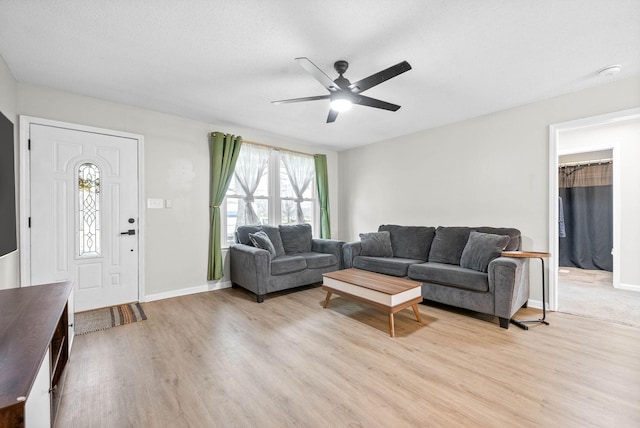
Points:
[343,93]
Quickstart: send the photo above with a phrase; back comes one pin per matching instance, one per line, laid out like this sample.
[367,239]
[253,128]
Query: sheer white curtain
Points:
[250,168]
[300,170]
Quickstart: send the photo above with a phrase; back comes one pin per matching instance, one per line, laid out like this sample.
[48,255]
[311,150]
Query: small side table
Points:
[531,255]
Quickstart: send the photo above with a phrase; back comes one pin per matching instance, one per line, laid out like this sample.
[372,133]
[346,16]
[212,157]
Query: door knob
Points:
[129,232]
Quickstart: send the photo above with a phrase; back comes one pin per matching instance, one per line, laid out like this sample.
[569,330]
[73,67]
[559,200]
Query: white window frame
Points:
[274,198]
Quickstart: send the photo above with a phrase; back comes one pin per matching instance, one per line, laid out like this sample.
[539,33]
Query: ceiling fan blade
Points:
[298,100]
[372,102]
[379,77]
[332,116]
[318,74]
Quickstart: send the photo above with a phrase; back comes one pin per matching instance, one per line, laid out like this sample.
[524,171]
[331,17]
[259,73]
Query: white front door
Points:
[84,214]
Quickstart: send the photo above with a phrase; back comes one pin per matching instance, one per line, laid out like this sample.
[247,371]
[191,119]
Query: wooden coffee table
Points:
[388,293]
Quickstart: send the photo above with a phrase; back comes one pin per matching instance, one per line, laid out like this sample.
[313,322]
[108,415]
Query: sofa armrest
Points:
[250,267]
[350,250]
[328,246]
[509,281]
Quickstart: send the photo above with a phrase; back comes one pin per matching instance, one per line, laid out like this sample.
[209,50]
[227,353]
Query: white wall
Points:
[491,170]
[176,168]
[9,264]
[627,137]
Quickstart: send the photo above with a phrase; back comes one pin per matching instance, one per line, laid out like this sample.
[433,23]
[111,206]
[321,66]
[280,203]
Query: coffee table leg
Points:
[417,312]
[326,300]
[392,330]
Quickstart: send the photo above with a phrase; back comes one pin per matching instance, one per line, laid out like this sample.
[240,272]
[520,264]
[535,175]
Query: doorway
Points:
[81,205]
[589,285]
[585,229]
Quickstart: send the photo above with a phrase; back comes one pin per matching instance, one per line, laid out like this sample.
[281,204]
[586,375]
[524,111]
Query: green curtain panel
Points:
[224,150]
[322,180]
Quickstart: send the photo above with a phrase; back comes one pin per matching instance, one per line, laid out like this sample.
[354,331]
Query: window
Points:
[89,210]
[297,184]
[270,186]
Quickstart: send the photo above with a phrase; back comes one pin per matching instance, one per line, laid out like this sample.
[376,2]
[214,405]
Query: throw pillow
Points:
[376,244]
[261,240]
[481,249]
[273,232]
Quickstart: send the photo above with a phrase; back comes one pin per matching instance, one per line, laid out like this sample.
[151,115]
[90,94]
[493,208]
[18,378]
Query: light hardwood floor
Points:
[219,359]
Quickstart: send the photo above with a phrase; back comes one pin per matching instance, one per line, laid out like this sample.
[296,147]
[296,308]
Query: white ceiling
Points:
[222,62]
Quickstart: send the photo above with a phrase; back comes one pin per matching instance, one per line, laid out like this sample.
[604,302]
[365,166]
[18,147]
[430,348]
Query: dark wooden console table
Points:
[531,255]
[34,349]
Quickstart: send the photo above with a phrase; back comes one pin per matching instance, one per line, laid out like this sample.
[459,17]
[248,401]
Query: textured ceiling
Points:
[222,62]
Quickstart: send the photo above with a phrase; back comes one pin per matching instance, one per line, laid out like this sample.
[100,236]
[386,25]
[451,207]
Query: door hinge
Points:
[29,221]
[29,144]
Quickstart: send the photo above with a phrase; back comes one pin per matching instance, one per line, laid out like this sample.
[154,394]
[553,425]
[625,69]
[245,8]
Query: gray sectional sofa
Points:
[458,266]
[273,258]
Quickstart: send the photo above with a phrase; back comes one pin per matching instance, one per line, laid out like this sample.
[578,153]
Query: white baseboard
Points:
[537,304]
[186,291]
[628,287]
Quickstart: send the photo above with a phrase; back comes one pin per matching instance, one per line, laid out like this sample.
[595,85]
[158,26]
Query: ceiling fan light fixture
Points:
[341,104]
[342,93]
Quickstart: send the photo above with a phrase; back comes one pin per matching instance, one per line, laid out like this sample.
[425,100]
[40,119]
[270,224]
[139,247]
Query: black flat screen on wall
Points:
[8,240]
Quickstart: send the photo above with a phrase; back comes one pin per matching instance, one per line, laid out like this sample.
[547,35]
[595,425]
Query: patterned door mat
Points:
[104,318]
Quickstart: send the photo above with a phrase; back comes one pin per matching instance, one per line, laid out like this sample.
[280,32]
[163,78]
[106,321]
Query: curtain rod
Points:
[276,148]
[591,162]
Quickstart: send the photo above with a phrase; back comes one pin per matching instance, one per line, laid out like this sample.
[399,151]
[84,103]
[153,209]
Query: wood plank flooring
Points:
[219,359]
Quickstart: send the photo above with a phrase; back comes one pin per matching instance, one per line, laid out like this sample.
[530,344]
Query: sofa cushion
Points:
[481,249]
[242,234]
[376,244]
[287,264]
[451,275]
[410,242]
[261,240]
[387,265]
[515,238]
[273,232]
[448,244]
[296,238]
[319,260]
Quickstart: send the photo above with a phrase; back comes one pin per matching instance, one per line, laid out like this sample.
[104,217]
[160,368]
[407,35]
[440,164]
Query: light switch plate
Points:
[155,203]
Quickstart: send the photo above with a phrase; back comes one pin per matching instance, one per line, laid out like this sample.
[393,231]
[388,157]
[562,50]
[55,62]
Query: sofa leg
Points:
[504,322]
[234,285]
[259,298]
[526,305]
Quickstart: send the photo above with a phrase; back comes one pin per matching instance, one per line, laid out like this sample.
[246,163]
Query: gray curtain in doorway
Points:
[586,193]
